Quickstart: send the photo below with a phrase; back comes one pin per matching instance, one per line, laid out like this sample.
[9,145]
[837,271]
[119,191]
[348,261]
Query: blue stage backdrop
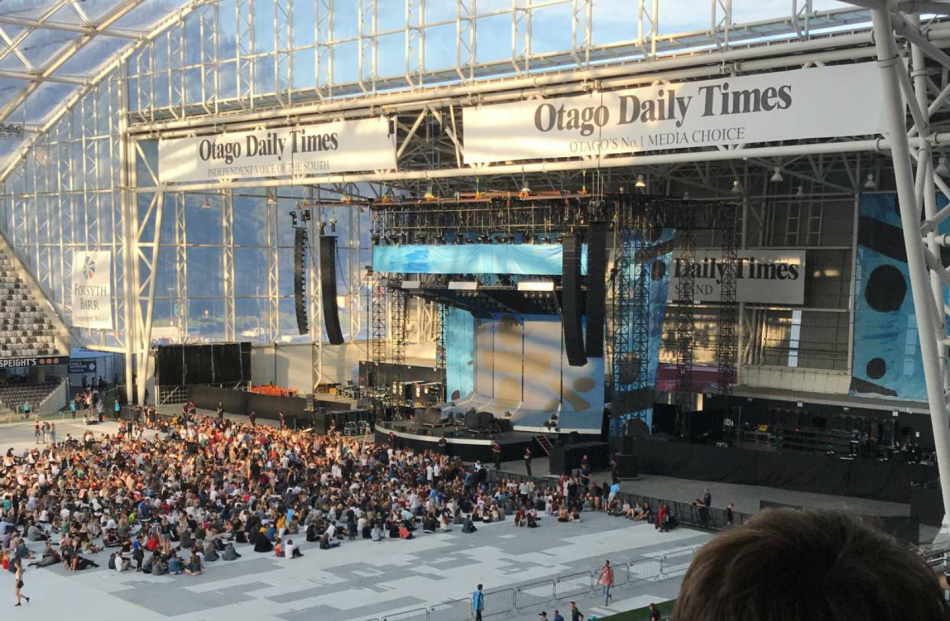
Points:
[459,353]
[886,345]
[659,255]
[517,259]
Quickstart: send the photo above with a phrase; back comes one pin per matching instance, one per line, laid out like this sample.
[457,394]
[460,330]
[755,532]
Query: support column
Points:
[128,239]
[932,353]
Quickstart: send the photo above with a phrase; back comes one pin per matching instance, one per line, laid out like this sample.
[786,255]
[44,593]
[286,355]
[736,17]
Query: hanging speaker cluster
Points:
[572,312]
[300,292]
[331,314]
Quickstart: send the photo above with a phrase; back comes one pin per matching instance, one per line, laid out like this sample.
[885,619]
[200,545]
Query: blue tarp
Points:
[887,357]
[519,259]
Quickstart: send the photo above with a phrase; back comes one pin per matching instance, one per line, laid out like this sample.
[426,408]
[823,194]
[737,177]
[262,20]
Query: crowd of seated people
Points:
[173,501]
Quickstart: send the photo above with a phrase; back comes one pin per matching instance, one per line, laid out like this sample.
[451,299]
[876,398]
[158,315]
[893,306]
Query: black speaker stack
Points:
[300,297]
[331,314]
[571,308]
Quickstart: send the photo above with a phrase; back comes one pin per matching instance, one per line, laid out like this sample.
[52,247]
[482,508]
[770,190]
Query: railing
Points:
[539,594]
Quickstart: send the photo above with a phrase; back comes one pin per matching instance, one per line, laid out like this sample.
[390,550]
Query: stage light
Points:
[800,192]
[536,285]
[429,194]
[525,190]
[271,200]
[376,240]
[641,184]
[459,239]
[333,226]
[777,176]
[736,188]
[293,218]
[870,184]
[942,169]
[306,215]
[206,204]
[686,195]
[463,285]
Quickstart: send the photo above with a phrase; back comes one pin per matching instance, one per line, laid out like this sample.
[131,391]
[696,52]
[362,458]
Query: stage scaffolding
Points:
[641,219]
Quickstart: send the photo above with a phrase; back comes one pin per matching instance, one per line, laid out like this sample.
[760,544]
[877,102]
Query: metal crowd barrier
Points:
[539,594]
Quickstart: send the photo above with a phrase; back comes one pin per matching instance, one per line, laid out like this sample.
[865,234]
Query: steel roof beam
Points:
[79,29]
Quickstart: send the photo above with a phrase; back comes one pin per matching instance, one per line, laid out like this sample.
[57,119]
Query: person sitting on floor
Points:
[230,554]
[263,543]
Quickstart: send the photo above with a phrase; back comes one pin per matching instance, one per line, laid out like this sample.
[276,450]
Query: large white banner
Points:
[822,102]
[342,146]
[764,276]
[92,289]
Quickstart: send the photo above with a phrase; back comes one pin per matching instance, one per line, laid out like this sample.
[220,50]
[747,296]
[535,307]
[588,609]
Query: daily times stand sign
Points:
[342,146]
[821,102]
[766,276]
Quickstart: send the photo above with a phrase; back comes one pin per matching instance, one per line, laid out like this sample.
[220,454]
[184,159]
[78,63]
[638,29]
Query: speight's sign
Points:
[342,146]
[821,102]
[45,361]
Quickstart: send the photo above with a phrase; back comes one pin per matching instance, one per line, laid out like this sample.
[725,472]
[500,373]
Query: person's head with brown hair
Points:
[808,565]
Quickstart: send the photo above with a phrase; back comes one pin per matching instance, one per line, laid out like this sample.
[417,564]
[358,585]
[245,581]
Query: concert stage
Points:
[459,443]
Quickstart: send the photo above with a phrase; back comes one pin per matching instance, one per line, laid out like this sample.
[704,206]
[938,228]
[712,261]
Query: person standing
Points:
[280,415]
[707,498]
[478,603]
[576,614]
[252,418]
[527,460]
[606,580]
[443,446]
[655,613]
[220,411]
[496,453]
[730,515]
[557,616]
[18,584]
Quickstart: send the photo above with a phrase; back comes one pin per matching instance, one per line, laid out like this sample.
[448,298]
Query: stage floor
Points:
[360,580]
[429,432]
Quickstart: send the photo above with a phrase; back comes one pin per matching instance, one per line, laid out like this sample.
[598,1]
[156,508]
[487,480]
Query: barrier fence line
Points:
[536,594]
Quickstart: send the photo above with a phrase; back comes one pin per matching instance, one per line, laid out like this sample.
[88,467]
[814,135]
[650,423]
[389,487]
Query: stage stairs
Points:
[545,444]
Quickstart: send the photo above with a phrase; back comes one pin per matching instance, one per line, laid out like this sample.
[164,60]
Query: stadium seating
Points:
[13,396]
[26,328]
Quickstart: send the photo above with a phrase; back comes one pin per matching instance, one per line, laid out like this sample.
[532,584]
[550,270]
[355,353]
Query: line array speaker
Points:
[331,315]
[571,312]
[596,288]
[300,296]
